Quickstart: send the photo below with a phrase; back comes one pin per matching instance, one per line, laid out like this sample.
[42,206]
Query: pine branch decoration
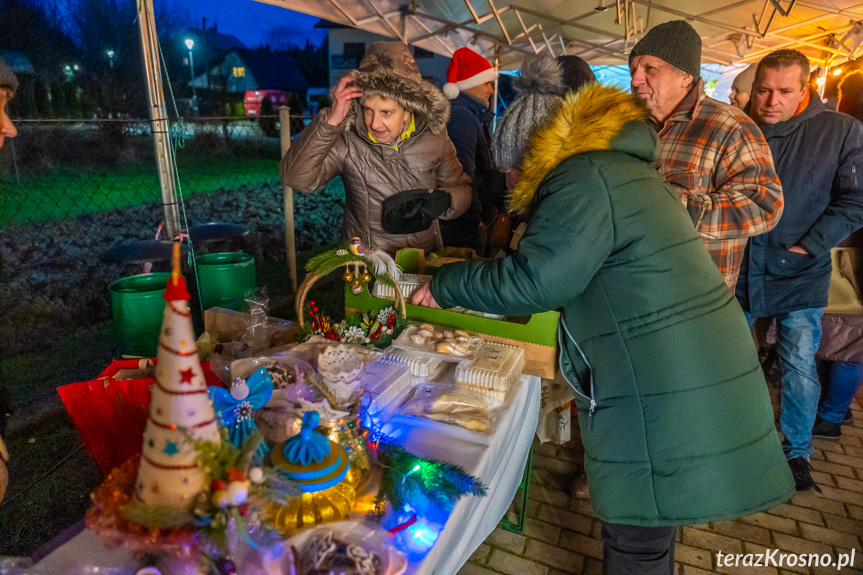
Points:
[327,262]
[405,476]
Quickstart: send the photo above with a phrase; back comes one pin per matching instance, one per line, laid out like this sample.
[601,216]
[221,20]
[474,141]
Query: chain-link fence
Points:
[72,189]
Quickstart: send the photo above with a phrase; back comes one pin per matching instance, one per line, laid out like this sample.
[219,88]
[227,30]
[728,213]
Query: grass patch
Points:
[70,189]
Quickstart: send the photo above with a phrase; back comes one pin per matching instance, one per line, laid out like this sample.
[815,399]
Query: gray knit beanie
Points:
[539,90]
[676,42]
[7,77]
[743,81]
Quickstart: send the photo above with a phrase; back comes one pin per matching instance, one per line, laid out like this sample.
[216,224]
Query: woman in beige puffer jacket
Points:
[422,159]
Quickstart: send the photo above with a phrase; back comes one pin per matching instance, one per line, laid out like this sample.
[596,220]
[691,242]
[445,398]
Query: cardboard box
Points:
[537,335]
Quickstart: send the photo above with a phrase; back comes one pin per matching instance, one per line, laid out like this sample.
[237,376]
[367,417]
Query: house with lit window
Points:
[347,46]
[242,70]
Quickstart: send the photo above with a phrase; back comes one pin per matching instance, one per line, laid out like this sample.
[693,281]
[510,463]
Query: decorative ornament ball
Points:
[218,485]
[348,276]
[256,475]
[366,277]
[221,499]
[357,288]
[239,390]
[244,509]
[237,492]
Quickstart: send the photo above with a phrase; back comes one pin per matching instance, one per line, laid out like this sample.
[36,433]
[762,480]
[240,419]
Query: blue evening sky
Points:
[248,20]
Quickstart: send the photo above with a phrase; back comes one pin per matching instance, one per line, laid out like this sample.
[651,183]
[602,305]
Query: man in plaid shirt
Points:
[713,154]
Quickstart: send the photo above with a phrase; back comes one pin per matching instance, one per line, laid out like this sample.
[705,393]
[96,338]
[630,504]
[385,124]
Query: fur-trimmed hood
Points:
[594,118]
[388,70]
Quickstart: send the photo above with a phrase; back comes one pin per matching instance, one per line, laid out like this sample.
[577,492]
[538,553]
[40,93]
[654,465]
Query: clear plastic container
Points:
[386,385]
[329,548]
[446,344]
[292,377]
[495,367]
[421,367]
[409,283]
[489,394]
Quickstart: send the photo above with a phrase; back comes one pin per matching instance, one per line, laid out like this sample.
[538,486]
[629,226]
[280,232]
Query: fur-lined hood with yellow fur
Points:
[594,118]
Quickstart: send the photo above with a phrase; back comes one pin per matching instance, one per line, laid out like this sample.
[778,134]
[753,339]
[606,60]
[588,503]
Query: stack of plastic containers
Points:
[493,370]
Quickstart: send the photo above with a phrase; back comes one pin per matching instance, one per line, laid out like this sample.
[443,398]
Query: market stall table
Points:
[497,459]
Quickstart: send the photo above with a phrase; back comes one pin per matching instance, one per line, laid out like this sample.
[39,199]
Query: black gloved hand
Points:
[414,211]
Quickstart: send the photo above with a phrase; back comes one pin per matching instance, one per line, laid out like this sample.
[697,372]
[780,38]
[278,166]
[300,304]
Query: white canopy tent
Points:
[603,31]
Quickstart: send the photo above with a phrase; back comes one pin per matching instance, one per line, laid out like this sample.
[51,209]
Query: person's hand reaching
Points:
[342,97]
[424,297]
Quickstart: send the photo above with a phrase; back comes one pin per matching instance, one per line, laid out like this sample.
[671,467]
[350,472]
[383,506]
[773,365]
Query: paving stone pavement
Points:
[561,534]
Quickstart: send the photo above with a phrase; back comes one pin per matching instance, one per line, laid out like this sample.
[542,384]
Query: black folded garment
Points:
[413,211]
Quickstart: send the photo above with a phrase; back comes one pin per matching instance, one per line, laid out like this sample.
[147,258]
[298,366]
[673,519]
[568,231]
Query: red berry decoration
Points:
[312,302]
[218,485]
[244,509]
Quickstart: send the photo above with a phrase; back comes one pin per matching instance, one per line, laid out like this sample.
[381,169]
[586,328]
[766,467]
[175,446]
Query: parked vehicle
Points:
[253,98]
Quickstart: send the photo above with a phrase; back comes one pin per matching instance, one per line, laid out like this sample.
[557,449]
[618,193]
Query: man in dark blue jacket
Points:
[785,273]
[470,85]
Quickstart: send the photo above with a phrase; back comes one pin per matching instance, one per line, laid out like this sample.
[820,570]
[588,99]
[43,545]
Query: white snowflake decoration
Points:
[353,333]
[384,315]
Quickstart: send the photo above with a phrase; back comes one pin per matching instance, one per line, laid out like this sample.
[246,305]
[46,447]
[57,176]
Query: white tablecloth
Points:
[497,459]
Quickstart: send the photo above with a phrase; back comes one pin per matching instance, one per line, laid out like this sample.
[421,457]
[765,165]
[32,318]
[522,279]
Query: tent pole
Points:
[494,98]
[291,247]
[824,71]
[158,117]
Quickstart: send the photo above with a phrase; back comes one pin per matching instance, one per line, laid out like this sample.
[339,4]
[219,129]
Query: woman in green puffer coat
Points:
[674,411]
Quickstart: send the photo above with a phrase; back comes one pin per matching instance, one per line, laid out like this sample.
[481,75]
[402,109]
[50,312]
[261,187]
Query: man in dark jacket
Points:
[470,85]
[785,273]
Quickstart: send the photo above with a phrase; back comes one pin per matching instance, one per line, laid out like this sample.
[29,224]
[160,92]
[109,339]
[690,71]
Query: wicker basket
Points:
[311,278]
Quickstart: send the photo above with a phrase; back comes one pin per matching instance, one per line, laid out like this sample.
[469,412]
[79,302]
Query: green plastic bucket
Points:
[224,278]
[138,306]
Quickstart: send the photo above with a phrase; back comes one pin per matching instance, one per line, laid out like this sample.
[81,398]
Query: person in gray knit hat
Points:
[539,90]
[8,85]
[712,153]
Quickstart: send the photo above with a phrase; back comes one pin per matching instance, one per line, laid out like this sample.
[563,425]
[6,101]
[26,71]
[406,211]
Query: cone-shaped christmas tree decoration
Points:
[179,409]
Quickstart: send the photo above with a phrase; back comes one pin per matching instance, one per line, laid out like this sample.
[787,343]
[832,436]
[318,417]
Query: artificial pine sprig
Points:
[327,262]
[405,476]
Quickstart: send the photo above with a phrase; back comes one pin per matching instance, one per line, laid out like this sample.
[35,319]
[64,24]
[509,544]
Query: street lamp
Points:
[110,54]
[191,44]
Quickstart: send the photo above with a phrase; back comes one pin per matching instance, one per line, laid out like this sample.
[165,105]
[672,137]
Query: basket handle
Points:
[311,278]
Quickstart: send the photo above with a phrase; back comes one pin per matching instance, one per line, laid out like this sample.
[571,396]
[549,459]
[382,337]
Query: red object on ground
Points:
[253,98]
[110,412]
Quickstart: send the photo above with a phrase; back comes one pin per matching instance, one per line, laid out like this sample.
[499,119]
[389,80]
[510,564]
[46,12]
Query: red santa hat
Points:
[467,69]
